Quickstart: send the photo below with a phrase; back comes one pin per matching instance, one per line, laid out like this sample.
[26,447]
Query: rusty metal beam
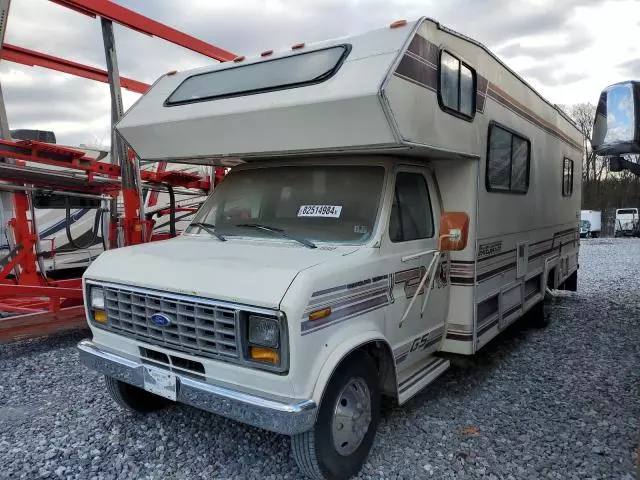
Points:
[32,58]
[34,325]
[118,14]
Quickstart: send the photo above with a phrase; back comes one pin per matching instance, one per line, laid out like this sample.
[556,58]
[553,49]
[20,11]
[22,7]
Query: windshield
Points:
[316,203]
[585,224]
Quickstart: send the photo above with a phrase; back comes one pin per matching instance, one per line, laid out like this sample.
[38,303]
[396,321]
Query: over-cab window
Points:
[567,177]
[263,76]
[508,161]
[411,216]
[457,92]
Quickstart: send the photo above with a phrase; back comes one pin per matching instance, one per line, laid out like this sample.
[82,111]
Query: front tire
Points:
[134,398]
[338,445]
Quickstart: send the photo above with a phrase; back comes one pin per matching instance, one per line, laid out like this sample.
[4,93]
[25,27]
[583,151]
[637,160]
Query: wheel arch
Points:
[371,343]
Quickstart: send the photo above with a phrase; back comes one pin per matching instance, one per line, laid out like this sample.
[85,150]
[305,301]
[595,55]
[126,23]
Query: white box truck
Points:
[590,223]
[396,197]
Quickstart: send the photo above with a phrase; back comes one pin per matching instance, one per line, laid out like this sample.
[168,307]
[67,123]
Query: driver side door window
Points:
[411,217]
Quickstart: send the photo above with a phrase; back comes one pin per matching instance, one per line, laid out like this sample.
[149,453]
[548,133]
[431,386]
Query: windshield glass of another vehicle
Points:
[317,203]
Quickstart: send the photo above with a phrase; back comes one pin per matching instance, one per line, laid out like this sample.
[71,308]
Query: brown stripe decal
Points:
[417,71]
[424,49]
[487,327]
[511,311]
[462,281]
[460,337]
[482,85]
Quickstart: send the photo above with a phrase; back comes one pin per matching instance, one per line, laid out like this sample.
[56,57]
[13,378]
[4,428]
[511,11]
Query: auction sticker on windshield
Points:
[328,211]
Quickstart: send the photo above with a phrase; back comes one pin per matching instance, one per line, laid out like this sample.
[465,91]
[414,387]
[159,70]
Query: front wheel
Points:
[338,445]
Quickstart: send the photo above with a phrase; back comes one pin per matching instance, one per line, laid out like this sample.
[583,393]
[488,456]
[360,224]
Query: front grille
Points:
[197,326]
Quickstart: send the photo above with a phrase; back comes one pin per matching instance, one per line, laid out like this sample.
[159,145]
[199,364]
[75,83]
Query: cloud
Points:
[548,74]
[569,43]
[631,68]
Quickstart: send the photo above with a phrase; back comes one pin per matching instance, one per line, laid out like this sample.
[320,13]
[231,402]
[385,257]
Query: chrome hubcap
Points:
[351,416]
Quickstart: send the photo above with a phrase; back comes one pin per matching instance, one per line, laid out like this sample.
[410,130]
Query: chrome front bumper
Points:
[285,418]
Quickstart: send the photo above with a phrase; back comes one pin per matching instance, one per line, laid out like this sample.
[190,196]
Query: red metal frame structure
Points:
[32,58]
[52,305]
[128,18]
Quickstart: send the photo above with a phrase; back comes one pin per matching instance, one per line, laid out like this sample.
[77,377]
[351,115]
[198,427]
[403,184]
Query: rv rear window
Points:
[567,177]
[277,74]
[457,87]
[508,161]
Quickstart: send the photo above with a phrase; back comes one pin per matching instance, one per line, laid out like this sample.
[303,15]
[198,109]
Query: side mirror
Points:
[616,128]
[454,231]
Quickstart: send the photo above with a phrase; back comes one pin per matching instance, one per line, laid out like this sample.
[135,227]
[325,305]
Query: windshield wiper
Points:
[209,228]
[278,231]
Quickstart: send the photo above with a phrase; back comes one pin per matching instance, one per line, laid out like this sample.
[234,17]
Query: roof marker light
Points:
[266,53]
[239,59]
[297,46]
[398,24]
[172,72]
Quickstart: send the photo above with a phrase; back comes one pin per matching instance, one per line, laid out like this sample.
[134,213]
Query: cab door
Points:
[412,229]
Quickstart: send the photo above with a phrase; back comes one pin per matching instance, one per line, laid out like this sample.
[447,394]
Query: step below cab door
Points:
[412,229]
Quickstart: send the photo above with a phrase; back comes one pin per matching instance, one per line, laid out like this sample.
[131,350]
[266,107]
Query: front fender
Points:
[338,354]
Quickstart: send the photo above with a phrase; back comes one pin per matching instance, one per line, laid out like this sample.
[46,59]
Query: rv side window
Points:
[264,76]
[567,177]
[457,92]
[411,217]
[508,161]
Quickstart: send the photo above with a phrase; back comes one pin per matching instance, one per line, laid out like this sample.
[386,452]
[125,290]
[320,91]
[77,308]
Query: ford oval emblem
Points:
[160,319]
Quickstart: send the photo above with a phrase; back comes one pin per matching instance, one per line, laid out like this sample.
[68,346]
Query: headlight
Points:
[96,299]
[264,331]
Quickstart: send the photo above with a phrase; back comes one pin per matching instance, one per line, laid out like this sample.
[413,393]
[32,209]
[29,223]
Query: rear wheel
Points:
[338,445]
[539,316]
[134,398]
[571,283]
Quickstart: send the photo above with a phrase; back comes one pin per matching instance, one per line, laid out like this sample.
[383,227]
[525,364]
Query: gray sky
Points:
[567,49]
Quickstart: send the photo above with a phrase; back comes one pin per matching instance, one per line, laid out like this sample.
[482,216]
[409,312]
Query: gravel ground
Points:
[555,403]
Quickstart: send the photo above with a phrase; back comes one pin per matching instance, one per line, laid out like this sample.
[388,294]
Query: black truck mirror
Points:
[616,126]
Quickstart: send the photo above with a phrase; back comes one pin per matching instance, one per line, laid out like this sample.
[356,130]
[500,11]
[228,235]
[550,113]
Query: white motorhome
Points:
[330,267]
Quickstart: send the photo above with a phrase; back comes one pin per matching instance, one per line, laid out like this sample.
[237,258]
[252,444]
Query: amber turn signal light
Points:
[320,314]
[100,316]
[263,354]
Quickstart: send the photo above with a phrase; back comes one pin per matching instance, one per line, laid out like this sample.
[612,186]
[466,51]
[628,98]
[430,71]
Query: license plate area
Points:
[160,382]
